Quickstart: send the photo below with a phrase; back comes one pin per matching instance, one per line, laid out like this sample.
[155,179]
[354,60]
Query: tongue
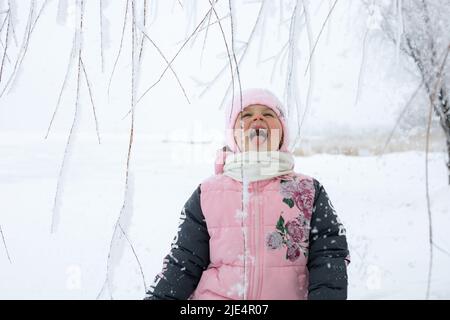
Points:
[259,134]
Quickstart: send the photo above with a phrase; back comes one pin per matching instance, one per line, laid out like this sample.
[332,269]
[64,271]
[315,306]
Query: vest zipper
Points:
[261,237]
[256,274]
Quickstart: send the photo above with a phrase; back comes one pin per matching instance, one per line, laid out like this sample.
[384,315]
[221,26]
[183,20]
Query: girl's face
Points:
[258,128]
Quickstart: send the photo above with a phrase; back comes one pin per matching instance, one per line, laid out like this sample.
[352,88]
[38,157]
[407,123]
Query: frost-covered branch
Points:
[425,35]
[141,270]
[123,221]
[74,126]
[253,33]
[102,40]
[208,24]
[245,185]
[422,40]
[91,97]
[430,220]
[120,46]
[400,117]
[64,84]
[145,10]
[175,56]
[169,64]
[31,23]
[292,85]
[231,53]
[213,23]
[362,66]
[320,33]
[44,5]
[7,18]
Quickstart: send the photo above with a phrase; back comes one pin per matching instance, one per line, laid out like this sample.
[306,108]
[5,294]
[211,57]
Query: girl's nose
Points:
[257,116]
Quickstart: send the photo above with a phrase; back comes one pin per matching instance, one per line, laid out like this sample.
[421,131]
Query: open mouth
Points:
[259,133]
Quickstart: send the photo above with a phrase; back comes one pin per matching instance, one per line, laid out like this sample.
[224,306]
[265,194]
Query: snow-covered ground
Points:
[356,87]
[381,200]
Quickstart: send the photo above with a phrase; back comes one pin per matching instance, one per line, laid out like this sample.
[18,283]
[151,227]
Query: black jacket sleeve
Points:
[328,251]
[188,257]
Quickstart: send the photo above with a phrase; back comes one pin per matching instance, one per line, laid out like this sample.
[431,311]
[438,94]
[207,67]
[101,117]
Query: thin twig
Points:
[4,21]
[320,33]
[361,67]
[213,23]
[13,30]
[206,36]
[7,56]
[167,62]
[311,72]
[118,227]
[135,256]
[441,249]
[102,45]
[144,33]
[145,25]
[430,221]
[4,244]
[120,47]
[173,59]
[44,5]
[66,78]
[23,50]
[55,213]
[291,79]
[242,56]
[103,289]
[402,113]
[6,46]
[88,84]
[232,53]
[277,58]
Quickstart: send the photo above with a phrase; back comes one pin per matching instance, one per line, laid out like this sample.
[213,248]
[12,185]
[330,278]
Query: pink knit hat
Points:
[249,97]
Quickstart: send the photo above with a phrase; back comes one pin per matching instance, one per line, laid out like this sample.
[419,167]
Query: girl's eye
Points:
[268,115]
[245,115]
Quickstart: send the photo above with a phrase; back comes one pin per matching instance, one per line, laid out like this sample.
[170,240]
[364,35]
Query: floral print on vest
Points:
[294,234]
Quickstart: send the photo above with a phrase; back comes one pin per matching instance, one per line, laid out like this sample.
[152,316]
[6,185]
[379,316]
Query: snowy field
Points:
[381,200]
[350,95]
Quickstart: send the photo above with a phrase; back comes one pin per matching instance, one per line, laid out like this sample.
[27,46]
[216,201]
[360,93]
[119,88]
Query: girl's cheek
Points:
[276,124]
[242,124]
[273,124]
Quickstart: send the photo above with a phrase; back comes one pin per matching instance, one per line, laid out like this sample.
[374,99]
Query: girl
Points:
[256,229]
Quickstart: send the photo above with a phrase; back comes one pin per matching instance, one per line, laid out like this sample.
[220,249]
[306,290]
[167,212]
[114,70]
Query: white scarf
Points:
[256,166]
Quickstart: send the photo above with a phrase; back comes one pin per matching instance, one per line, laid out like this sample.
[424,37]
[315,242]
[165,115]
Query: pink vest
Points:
[274,229]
